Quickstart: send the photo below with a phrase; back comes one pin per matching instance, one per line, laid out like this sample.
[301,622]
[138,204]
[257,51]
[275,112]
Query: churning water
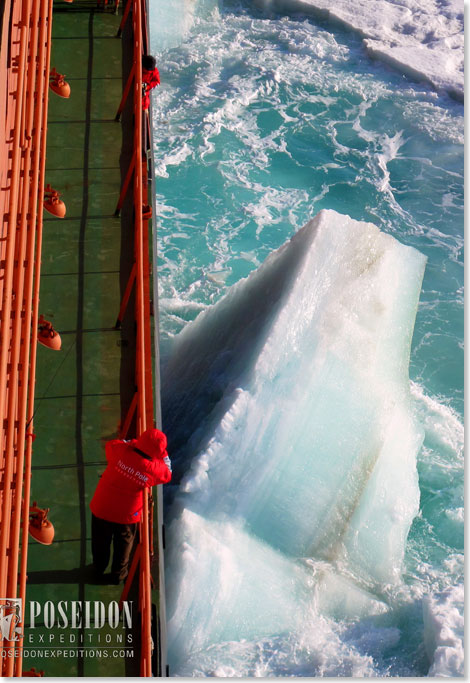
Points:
[292,420]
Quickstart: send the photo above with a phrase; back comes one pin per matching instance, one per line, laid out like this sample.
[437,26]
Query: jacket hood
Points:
[153,443]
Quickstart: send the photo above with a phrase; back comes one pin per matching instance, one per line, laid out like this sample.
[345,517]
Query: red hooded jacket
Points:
[118,496]
[150,79]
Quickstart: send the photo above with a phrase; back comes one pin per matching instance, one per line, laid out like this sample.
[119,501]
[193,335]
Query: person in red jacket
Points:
[117,503]
[150,78]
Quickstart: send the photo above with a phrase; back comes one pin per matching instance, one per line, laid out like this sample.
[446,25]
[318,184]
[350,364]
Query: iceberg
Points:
[424,40]
[289,413]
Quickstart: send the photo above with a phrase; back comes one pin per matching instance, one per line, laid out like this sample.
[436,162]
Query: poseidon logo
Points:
[10,618]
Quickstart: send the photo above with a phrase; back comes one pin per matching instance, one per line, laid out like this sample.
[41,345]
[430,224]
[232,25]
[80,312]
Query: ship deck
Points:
[83,391]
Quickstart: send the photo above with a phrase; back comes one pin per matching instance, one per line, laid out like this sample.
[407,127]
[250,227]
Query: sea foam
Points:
[424,39]
[444,631]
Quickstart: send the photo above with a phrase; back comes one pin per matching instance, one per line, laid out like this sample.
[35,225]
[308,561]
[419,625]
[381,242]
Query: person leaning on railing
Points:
[117,503]
[150,78]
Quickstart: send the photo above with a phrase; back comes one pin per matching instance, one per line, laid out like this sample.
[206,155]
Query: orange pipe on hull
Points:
[8,194]
[22,332]
[37,221]
[13,393]
[6,310]
[29,212]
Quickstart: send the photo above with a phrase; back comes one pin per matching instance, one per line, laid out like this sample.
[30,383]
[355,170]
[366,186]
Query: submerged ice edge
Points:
[341,330]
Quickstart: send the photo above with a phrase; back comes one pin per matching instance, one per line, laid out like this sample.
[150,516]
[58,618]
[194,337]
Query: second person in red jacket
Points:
[150,78]
[117,503]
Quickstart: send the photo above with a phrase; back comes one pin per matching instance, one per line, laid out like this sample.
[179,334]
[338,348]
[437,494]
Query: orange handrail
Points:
[139,278]
[142,352]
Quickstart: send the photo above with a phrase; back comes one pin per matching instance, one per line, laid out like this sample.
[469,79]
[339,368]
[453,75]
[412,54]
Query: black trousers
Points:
[122,536]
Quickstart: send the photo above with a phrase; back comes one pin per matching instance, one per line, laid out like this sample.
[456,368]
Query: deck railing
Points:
[142,406]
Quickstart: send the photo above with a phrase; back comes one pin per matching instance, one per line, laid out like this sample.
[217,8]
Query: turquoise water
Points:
[261,121]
